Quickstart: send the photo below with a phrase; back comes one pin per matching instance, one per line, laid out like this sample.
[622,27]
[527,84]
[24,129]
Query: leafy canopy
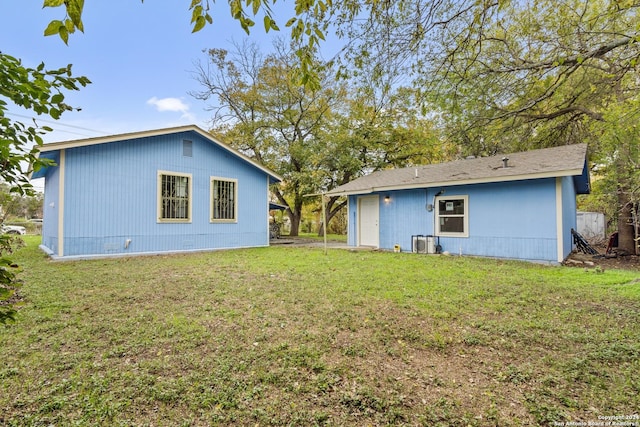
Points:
[41,91]
[35,89]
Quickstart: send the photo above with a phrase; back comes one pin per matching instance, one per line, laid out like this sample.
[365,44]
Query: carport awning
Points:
[276,207]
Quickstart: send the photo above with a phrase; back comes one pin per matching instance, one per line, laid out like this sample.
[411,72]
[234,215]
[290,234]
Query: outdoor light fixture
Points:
[387,198]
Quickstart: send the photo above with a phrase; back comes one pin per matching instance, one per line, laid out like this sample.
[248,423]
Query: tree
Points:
[41,91]
[316,139]
[13,204]
[619,167]
[34,89]
[547,73]
[310,21]
[263,112]
[377,126]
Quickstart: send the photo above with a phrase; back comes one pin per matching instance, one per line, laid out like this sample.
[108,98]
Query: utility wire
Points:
[59,124]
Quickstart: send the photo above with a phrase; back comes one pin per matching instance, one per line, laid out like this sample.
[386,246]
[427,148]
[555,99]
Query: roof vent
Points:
[505,162]
[416,172]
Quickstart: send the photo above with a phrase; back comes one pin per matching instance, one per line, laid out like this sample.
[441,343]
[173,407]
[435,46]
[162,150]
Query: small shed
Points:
[592,225]
[516,206]
[158,191]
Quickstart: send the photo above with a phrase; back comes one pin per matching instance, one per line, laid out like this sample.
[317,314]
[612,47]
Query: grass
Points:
[342,238]
[290,336]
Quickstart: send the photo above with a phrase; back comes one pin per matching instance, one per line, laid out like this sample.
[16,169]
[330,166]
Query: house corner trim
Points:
[559,222]
[61,204]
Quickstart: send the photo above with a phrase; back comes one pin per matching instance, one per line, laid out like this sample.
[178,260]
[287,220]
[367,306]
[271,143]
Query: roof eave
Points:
[486,180]
[54,146]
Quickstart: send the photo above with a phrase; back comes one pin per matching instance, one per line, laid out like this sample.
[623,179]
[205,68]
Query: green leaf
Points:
[57,98]
[197,12]
[53,28]
[69,25]
[64,34]
[74,9]
[290,22]
[52,3]
[200,23]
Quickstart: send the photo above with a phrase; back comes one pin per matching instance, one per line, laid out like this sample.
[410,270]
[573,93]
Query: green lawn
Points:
[342,238]
[290,336]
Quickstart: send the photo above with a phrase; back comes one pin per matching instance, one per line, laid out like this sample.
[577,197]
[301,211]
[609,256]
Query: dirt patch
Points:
[603,260]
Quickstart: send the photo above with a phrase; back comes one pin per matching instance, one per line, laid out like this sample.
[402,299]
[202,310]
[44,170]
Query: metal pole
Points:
[324,223]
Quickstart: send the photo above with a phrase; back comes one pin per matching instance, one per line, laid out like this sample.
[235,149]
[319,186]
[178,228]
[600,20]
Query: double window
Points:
[452,216]
[224,195]
[174,197]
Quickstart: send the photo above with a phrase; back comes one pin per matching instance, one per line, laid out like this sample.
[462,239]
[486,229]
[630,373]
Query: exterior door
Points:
[369,215]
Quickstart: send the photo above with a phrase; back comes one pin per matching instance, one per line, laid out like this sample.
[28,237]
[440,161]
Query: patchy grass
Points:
[290,336]
[342,238]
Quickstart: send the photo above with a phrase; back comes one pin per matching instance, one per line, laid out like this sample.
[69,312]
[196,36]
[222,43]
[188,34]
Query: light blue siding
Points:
[569,214]
[506,220]
[51,207]
[111,198]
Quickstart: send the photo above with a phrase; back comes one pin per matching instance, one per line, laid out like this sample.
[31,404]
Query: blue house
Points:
[165,190]
[517,206]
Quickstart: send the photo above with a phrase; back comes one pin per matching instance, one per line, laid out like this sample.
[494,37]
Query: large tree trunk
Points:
[626,231]
[295,224]
[295,216]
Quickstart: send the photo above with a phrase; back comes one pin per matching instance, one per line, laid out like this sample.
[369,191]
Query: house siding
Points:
[569,215]
[111,198]
[506,220]
[51,208]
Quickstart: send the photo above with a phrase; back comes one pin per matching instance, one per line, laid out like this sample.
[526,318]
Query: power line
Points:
[59,124]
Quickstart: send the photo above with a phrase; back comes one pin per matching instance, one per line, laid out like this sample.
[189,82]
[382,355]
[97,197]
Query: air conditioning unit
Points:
[423,244]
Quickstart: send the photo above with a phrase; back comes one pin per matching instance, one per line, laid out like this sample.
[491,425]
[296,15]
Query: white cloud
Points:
[171,104]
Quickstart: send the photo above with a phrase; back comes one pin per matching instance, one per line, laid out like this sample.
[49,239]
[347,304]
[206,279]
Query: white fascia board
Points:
[150,133]
[555,174]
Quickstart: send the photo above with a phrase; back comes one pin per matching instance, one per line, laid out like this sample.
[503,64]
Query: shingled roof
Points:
[567,160]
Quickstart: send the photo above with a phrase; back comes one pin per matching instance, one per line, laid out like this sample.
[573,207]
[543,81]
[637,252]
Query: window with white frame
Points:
[224,198]
[174,197]
[452,216]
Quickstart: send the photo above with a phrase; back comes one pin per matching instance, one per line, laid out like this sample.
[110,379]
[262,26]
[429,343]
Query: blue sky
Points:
[139,57]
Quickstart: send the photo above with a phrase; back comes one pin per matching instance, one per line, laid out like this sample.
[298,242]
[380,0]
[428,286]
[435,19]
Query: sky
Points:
[139,57]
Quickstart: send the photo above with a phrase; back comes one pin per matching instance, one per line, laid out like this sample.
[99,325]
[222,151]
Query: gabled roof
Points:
[568,160]
[56,146]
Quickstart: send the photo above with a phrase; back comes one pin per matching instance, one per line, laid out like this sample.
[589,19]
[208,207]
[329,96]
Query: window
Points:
[224,194]
[174,197]
[452,216]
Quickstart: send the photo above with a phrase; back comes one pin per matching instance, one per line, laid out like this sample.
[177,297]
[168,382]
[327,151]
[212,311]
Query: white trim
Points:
[62,167]
[159,218]
[487,180]
[559,224]
[235,200]
[465,216]
[150,133]
[349,222]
